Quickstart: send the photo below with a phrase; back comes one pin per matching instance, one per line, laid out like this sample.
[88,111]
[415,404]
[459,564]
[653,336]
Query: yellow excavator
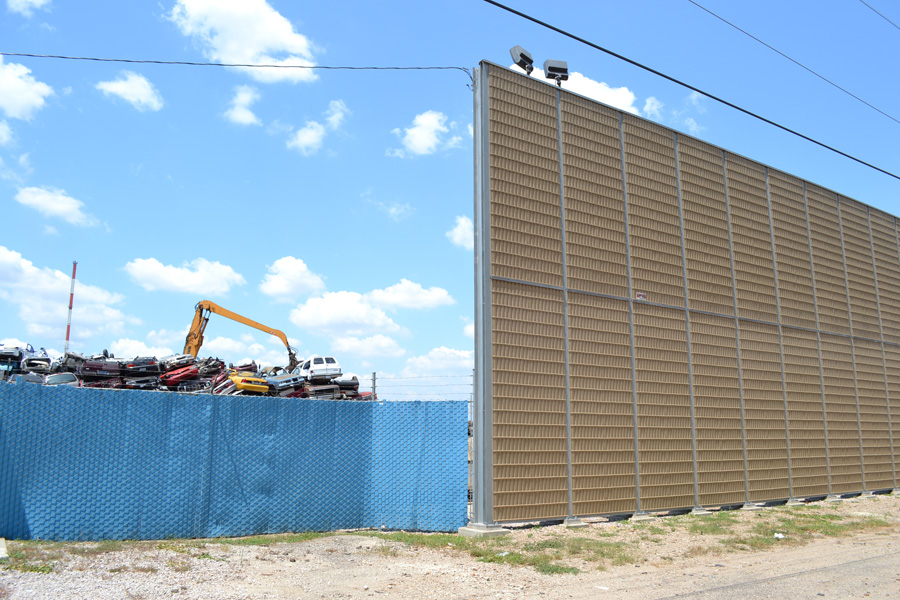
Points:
[201,317]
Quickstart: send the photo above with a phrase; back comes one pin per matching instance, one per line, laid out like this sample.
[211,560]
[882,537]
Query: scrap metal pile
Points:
[183,373]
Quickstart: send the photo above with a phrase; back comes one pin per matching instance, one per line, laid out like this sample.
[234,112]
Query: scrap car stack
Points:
[317,377]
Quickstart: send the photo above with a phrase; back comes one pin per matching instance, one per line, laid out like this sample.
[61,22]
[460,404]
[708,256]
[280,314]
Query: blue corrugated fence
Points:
[79,464]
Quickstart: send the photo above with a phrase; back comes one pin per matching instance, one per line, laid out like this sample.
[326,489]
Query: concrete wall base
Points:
[479,530]
[642,516]
[575,523]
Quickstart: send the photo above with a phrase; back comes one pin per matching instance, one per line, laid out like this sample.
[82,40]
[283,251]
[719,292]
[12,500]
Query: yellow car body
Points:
[249,382]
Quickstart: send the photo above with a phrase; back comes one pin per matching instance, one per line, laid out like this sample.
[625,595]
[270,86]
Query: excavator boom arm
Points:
[195,336]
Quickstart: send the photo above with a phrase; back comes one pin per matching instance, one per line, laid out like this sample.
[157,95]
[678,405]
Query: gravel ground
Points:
[665,557]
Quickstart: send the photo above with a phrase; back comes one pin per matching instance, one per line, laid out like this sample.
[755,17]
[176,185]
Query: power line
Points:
[249,66]
[822,77]
[879,14]
[690,87]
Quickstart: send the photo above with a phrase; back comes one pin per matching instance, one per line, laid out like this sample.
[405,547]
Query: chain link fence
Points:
[91,464]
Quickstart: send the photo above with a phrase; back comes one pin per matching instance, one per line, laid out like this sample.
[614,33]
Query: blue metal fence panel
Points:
[79,464]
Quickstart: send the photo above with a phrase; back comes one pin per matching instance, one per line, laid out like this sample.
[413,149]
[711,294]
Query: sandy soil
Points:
[663,560]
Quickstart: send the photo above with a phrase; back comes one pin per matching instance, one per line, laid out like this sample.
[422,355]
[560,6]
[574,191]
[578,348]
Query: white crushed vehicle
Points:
[319,368]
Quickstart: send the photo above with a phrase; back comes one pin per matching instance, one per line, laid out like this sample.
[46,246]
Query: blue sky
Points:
[336,205]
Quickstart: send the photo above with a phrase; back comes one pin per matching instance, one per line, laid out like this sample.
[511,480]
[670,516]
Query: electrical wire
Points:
[690,87]
[249,66]
[799,64]
[879,14]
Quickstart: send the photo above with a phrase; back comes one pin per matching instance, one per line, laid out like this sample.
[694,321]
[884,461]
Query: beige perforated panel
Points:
[656,266]
[717,410]
[873,415]
[842,422]
[529,402]
[526,234]
[707,251]
[798,418]
[601,406]
[806,418]
[860,272]
[795,283]
[828,264]
[767,462]
[752,240]
[887,268]
[663,408]
[595,215]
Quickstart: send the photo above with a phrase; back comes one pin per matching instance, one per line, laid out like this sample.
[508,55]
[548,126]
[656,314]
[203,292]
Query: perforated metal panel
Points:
[664,324]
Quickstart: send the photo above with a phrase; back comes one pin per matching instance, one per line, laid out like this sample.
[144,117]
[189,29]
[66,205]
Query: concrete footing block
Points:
[895,492]
[480,530]
[833,498]
[4,555]
[751,506]
[575,523]
[641,516]
[699,510]
[795,502]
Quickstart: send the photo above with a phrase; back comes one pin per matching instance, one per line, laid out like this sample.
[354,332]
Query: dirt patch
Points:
[533,561]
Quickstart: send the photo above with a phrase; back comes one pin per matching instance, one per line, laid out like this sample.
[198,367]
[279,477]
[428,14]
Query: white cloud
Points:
[21,95]
[440,361]
[693,127]
[246,32]
[469,328]
[166,337]
[463,235]
[408,294]
[371,347]
[288,278]
[620,97]
[52,202]
[5,133]
[134,89]
[200,276]
[50,230]
[240,113]
[336,113]
[26,8]
[343,314]
[424,136]
[694,99]
[129,348]
[309,139]
[653,109]
[42,294]
[395,210]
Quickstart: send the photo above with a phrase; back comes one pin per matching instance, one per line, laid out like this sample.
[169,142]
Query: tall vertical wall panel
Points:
[595,225]
[752,237]
[873,415]
[795,283]
[806,416]
[887,270]
[656,266]
[707,248]
[526,229]
[892,364]
[764,416]
[602,409]
[717,410]
[529,402]
[841,415]
[663,408]
[860,270]
[662,324]
[828,265]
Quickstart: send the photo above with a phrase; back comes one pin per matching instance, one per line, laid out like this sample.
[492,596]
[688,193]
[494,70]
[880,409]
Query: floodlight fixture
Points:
[556,69]
[522,58]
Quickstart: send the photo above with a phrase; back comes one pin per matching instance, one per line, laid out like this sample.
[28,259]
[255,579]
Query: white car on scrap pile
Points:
[319,368]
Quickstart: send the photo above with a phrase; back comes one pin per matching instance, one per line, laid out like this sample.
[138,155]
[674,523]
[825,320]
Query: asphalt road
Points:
[859,567]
